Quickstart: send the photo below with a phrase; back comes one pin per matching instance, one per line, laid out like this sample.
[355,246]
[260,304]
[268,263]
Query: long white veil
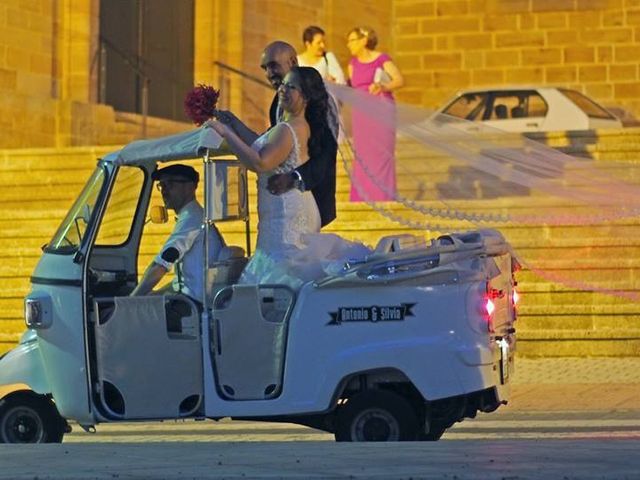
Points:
[565,216]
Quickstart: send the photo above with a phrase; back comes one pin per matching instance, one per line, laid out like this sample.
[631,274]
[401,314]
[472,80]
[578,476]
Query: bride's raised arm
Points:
[274,151]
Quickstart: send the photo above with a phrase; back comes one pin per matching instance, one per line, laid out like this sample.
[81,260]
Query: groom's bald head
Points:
[277,59]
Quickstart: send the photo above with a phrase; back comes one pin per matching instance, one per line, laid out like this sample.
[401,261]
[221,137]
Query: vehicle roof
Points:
[510,88]
[181,146]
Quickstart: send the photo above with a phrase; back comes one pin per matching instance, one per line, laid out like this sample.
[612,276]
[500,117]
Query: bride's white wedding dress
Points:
[289,249]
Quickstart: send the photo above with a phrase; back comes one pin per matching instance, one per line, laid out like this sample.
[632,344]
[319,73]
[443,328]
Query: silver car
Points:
[530,109]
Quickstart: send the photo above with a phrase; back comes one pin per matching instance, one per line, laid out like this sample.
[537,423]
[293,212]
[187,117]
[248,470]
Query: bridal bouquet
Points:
[200,103]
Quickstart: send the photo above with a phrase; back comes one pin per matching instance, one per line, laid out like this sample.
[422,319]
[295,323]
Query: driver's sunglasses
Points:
[168,184]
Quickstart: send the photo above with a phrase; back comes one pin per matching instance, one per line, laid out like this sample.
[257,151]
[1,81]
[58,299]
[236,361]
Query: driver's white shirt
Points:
[187,239]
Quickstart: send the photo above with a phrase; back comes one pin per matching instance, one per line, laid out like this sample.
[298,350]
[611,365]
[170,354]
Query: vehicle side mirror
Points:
[158,214]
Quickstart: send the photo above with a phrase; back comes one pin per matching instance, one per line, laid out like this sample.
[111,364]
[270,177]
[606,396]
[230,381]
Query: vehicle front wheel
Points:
[376,416]
[29,418]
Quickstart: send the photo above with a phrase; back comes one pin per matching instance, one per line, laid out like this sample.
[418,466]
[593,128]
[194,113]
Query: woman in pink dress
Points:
[373,175]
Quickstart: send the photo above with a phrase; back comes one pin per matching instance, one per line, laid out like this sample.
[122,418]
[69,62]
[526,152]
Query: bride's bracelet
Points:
[298,182]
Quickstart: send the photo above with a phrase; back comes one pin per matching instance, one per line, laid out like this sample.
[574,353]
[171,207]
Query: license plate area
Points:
[503,346]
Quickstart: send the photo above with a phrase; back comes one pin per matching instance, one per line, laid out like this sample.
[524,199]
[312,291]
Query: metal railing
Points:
[224,80]
[133,62]
[246,75]
[137,65]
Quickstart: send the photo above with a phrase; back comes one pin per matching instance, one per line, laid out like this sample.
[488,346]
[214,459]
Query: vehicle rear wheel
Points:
[30,419]
[376,416]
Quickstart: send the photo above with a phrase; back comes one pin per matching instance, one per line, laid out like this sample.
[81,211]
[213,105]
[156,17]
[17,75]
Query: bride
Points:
[286,222]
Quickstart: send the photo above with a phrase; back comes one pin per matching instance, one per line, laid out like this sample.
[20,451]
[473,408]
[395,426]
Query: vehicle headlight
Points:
[37,312]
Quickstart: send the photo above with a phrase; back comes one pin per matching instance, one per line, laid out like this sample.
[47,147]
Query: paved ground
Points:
[565,370]
[568,418]
[576,384]
[451,460]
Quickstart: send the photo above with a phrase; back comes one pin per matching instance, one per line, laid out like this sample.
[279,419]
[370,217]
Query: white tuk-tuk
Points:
[397,346]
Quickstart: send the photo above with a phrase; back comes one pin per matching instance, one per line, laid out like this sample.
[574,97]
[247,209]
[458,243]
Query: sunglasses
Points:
[168,184]
[361,33]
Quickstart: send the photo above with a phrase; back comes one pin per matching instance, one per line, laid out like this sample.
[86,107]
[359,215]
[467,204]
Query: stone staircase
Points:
[554,319]
[129,126]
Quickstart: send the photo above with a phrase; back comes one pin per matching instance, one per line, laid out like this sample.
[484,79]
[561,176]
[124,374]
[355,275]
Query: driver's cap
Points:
[178,170]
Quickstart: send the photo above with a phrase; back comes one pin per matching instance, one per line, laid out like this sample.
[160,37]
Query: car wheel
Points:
[30,419]
[376,416]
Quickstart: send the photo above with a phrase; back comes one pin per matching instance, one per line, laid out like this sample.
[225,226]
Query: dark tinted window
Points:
[469,106]
[508,105]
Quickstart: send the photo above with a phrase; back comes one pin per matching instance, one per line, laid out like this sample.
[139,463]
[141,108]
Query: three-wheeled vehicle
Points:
[399,345]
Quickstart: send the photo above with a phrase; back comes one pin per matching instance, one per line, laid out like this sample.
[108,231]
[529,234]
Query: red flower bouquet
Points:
[200,103]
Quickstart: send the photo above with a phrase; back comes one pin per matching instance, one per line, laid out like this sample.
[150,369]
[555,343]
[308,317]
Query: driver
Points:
[183,250]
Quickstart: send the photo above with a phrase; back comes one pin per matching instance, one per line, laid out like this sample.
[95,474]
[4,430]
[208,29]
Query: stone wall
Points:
[590,45]
[26,71]
[45,69]
[240,30]
[48,62]
[48,66]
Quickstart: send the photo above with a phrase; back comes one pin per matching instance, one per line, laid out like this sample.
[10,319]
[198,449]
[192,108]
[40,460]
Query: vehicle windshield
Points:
[469,106]
[120,211]
[71,231]
[588,106]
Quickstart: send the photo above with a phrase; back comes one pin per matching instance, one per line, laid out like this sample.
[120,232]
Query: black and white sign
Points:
[373,313]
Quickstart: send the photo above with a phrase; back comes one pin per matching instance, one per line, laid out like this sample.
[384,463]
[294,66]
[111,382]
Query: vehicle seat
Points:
[226,270]
[518,112]
[501,111]
[395,243]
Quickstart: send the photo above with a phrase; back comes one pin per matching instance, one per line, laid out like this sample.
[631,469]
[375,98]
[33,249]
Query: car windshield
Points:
[71,231]
[468,106]
[588,106]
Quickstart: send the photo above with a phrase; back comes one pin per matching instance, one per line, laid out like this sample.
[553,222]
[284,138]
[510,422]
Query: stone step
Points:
[576,343]
[156,123]
[519,212]
[363,213]
[553,310]
[24,253]
[10,332]
[546,307]
[24,181]
[128,127]
[586,137]
[531,315]
[51,158]
[605,293]
[595,322]
[409,159]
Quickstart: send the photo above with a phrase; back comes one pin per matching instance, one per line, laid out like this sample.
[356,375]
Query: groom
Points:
[318,174]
